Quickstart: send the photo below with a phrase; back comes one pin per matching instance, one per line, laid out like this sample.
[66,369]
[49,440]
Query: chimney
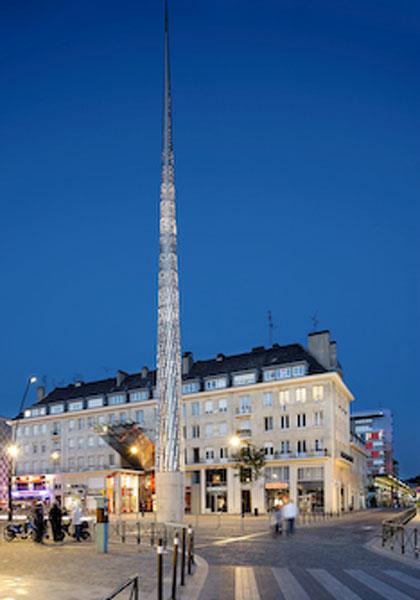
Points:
[319,346]
[144,372]
[121,375]
[333,355]
[40,393]
[187,362]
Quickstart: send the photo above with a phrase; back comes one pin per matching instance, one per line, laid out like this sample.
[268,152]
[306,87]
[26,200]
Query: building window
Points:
[223,428]
[56,428]
[139,417]
[72,424]
[80,423]
[71,442]
[56,409]
[123,417]
[196,455]
[318,392]
[195,409]
[209,454]
[208,407]
[268,399]
[72,406]
[80,442]
[268,423]
[285,446]
[139,396]
[244,404]
[223,453]
[310,474]
[95,402]
[91,441]
[301,446]
[268,449]
[71,464]
[284,397]
[301,420]
[318,418]
[209,430]
[111,458]
[298,371]
[300,394]
[191,388]
[222,405]
[216,384]
[184,411]
[195,431]
[284,422]
[244,379]
[119,399]
[319,444]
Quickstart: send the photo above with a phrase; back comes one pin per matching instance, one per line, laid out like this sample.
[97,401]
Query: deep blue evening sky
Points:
[297,146]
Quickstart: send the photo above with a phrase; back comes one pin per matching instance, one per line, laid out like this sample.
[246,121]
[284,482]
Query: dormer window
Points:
[118,399]
[56,409]
[73,406]
[216,383]
[140,396]
[244,379]
[191,387]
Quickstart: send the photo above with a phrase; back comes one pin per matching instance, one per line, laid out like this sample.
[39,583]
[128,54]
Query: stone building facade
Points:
[289,400]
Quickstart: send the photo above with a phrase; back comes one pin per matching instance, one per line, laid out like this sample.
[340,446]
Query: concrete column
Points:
[293,483]
[170,496]
[234,492]
[203,491]
[258,500]
[329,487]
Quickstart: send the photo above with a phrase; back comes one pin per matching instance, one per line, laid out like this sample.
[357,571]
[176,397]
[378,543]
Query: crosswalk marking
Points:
[404,578]
[378,586]
[245,584]
[289,585]
[338,590]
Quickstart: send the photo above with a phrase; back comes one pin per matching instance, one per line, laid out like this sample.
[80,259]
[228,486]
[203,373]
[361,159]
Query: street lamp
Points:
[31,380]
[12,452]
[134,450]
[235,441]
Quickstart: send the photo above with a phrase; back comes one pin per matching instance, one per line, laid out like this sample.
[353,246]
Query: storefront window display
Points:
[310,487]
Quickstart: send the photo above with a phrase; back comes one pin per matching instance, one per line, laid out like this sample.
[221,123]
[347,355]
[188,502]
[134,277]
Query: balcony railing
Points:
[244,433]
[243,411]
[293,455]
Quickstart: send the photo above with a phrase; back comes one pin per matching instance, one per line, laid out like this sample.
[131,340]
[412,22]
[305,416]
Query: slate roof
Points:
[257,359]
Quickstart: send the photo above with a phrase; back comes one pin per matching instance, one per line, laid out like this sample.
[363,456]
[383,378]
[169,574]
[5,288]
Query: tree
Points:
[250,462]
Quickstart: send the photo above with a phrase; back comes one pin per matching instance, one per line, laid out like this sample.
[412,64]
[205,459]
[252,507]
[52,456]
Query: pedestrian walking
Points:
[38,518]
[277,519]
[289,513]
[77,522]
[55,516]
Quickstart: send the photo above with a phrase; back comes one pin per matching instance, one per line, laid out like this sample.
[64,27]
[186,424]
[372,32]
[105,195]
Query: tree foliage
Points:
[250,462]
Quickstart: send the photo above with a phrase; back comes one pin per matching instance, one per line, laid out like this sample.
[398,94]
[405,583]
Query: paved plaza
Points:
[239,559]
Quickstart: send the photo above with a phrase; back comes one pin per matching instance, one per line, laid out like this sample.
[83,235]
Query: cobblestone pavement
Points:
[320,562]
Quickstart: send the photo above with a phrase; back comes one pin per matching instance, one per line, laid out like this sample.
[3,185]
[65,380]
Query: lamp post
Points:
[31,380]
[55,457]
[12,452]
[13,449]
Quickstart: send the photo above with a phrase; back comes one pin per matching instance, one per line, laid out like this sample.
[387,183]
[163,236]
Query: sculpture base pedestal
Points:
[170,497]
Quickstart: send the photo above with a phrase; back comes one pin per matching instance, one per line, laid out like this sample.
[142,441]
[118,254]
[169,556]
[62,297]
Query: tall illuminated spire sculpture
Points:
[169,478]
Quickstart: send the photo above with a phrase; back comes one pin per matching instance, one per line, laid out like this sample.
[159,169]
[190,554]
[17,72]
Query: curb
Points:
[374,545]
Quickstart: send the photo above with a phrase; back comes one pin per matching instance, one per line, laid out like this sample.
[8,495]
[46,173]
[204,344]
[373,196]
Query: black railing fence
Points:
[131,586]
[398,535]
[173,542]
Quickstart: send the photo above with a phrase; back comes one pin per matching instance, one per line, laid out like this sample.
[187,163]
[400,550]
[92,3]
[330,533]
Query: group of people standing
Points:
[286,511]
[55,517]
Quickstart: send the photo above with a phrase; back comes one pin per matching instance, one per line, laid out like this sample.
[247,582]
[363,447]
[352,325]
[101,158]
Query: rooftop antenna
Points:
[315,321]
[270,328]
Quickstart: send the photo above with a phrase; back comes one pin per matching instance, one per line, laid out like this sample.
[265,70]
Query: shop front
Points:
[310,489]
[276,486]
[216,490]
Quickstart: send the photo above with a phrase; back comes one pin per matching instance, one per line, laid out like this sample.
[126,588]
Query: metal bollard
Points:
[138,533]
[123,524]
[416,545]
[174,565]
[160,570]
[183,548]
[152,534]
[402,540]
[189,550]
